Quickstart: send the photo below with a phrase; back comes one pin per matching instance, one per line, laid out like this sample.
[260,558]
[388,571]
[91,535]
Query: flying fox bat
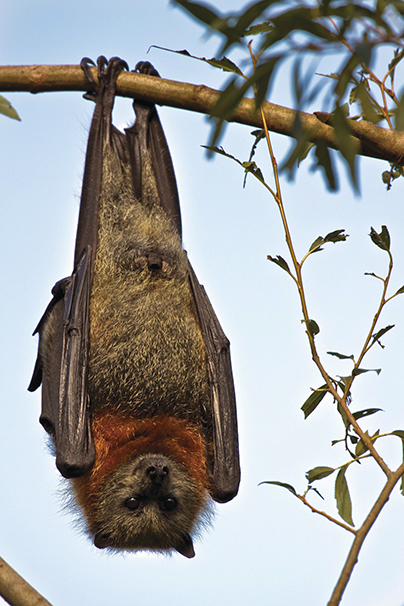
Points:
[137,386]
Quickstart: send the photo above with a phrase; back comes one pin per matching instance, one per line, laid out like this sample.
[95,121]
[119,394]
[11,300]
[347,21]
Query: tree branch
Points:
[372,141]
[16,591]
[361,535]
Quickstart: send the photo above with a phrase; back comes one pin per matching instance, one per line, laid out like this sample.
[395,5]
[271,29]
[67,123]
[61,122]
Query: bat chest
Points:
[146,350]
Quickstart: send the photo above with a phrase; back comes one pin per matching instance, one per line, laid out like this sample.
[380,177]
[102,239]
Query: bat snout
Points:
[154,261]
[157,472]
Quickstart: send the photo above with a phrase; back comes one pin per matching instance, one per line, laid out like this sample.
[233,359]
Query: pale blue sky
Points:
[265,547]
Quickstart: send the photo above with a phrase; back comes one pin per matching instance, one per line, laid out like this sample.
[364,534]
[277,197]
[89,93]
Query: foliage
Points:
[7,109]
[351,32]
[354,31]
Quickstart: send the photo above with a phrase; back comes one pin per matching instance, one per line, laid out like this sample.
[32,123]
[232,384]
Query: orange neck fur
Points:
[118,438]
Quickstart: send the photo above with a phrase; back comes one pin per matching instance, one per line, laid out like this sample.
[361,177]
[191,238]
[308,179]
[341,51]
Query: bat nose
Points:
[154,261]
[157,472]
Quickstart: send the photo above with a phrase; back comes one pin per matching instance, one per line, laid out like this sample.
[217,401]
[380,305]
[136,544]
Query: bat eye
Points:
[132,503]
[168,504]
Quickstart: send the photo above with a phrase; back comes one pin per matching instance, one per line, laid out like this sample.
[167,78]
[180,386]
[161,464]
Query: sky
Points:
[264,547]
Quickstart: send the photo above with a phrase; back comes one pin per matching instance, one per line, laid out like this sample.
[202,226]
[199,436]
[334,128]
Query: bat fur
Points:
[151,368]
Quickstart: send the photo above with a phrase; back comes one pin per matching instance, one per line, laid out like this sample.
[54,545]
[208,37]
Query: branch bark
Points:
[372,140]
[16,591]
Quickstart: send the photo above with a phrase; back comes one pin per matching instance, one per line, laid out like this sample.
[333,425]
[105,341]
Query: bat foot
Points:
[107,71]
[145,67]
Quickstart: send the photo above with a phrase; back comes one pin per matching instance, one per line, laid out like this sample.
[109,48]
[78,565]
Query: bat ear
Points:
[186,547]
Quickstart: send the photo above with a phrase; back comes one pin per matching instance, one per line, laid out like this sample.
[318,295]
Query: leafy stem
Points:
[383,109]
[361,534]
[302,498]
[382,303]
[306,318]
[339,389]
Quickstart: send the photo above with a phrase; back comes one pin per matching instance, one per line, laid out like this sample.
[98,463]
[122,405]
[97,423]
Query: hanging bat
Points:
[137,387]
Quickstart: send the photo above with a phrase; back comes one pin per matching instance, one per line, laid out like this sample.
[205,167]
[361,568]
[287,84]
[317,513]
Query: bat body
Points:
[137,389]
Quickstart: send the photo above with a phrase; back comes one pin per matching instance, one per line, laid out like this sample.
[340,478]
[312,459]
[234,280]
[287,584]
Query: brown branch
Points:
[16,591]
[372,140]
[361,535]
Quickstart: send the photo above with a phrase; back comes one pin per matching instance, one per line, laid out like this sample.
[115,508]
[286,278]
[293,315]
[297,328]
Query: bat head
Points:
[149,502]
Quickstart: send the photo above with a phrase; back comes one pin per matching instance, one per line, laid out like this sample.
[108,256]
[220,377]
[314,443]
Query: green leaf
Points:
[245,18]
[398,56]
[360,371]
[381,332]
[400,114]
[258,135]
[314,400]
[400,291]
[201,12]
[400,434]
[278,260]
[353,95]
[312,327]
[346,144]
[259,28]
[325,162]
[370,111]
[300,19]
[337,235]
[233,94]
[340,356]
[316,244]
[361,447]
[342,497]
[386,177]
[227,102]
[346,75]
[287,486]
[306,150]
[7,109]
[299,149]
[262,78]
[317,473]
[251,167]
[225,63]
[381,240]
[332,76]
[219,150]
[343,414]
[366,412]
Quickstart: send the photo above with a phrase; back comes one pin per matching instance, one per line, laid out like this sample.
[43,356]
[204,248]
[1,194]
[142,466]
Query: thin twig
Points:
[392,478]
[303,499]
[384,110]
[361,535]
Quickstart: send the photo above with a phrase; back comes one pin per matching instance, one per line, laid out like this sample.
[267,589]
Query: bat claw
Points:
[106,70]
[145,67]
